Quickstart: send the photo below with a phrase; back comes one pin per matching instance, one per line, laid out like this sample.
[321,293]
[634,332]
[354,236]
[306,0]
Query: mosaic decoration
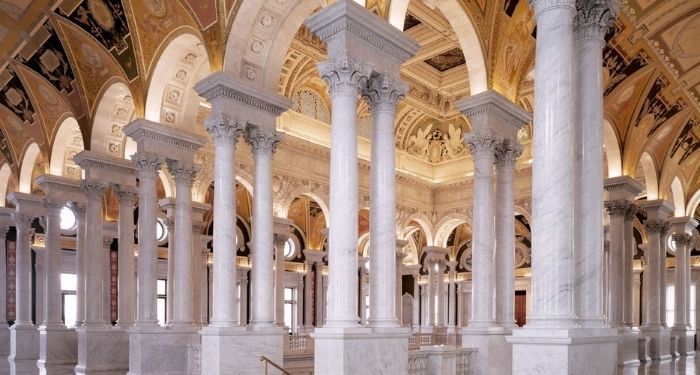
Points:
[51,62]
[15,98]
[655,105]
[106,21]
[687,142]
[619,68]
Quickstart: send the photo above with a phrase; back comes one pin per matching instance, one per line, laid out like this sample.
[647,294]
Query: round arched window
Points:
[289,248]
[161,230]
[68,221]
[671,244]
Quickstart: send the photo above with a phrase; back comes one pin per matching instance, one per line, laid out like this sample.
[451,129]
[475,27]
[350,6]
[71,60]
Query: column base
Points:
[660,346]
[5,341]
[494,354]
[441,359]
[102,349]
[644,349]
[58,346]
[628,346]
[161,350]
[24,343]
[228,348]
[563,351]
[686,344]
[350,351]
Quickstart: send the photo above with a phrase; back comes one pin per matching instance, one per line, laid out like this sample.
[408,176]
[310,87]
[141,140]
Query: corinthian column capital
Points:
[146,164]
[263,139]
[126,195]
[345,76]
[617,208]
[541,6]
[223,129]
[594,17]
[94,189]
[183,171]
[656,226]
[482,144]
[383,92]
[507,152]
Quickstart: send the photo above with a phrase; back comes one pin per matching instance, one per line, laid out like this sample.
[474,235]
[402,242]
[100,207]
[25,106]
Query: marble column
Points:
[591,22]
[552,324]
[630,251]
[655,224]
[147,166]
[617,210]
[451,295]
[169,223]
[94,192]
[432,292]
[243,300]
[398,280]
[460,305]
[183,173]
[415,320]
[52,266]
[345,79]
[4,333]
[224,134]
[424,304]
[126,263]
[106,277]
[263,142]
[362,293]
[382,93]
[663,241]
[282,230]
[80,250]
[440,310]
[308,297]
[506,155]
[682,228]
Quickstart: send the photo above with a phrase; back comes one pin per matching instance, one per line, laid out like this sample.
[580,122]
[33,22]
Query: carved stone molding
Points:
[94,189]
[262,139]
[146,164]
[631,211]
[617,207]
[183,172]
[482,144]
[383,92]
[344,76]
[507,152]
[656,226]
[594,18]
[126,195]
[684,239]
[222,129]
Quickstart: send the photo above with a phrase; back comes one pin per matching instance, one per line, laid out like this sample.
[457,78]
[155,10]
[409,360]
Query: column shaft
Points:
[23,265]
[308,297]
[279,284]
[80,263]
[652,274]
[126,264]
[432,293]
[663,236]
[681,281]
[552,177]
[628,266]
[617,210]
[94,191]
[416,301]
[52,265]
[147,166]
[440,295]
[3,273]
[183,174]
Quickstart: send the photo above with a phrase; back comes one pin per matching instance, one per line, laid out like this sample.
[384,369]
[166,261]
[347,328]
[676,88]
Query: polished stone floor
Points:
[682,366]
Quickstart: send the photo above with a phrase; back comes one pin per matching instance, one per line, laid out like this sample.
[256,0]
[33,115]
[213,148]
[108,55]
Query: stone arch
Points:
[5,175]
[611,147]
[31,154]
[678,195]
[68,142]
[171,99]
[466,33]
[115,110]
[307,191]
[446,225]
[423,222]
[650,175]
[693,202]
[523,211]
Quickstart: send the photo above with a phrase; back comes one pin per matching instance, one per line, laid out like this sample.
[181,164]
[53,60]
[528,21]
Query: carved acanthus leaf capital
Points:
[594,18]
[146,164]
[183,172]
[53,207]
[94,189]
[263,139]
[507,152]
[617,208]
[481,144]
[23,221]
[631,212]
[222,129]
[383,92]
[683,239]
[656,226]
[541,6]
[344,75]
[126,195]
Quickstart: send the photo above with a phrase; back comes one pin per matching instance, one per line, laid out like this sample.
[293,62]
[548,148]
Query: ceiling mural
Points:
[14,96]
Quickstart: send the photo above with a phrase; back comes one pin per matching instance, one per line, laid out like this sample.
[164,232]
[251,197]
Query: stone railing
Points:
[417,363]
[194,359]
[418,339]
[299,344]
[464,358]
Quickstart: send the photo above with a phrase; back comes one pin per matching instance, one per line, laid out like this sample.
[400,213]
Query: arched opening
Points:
[306,214]
[67,143]
[116,109]
[678,197]
[648,171]
[26,171]
[5,174]
[611,146]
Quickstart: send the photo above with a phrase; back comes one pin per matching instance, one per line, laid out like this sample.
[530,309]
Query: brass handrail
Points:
[267,360]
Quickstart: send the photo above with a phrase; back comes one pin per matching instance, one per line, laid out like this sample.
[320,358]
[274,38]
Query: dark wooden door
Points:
[520,308]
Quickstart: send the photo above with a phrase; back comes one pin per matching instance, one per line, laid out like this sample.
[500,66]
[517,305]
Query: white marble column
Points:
[362,292]
[23,266]
[3,275]
[630,250]
[451,291]
[94,192]
[663,238]
[553,167]
[382,94]
[147,166]
[263,141]
[281,233]
[345,78]
[591,22]
[684,243]
[483,146]
[416,300]
[460,305]
[183,173]
[432,292]
[617,210]
[169,223]
[126,263]
[440,310]
[506,155]
[80,250]
[425,306]
[243,300]
[224,134]
[52,265]
[308,297]
[398,280]
[653,257]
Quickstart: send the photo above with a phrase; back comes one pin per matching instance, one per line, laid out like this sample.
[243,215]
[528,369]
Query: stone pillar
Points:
[80,250]
[617,210]
[451,295]
[263,141]
[362,269]
[655,224]
[147,166]
[282,230]
[683,240]
[460,305]
[382,93]
[630,251]
[183,173]
[5,219]
[106,276]
[506,155]
[308,297]
[52,266]
[440,310]
[591,22]
[425,306]
[243,299]
[127,274]
[663,241]
[24,337]
[169,205]
[431,292]
[398,279]
[552,321]
[415,320]
[94,192]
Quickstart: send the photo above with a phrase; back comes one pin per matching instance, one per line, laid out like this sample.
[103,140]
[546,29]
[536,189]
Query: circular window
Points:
[161,230]
[288,248]
[68,220]
[671,244]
